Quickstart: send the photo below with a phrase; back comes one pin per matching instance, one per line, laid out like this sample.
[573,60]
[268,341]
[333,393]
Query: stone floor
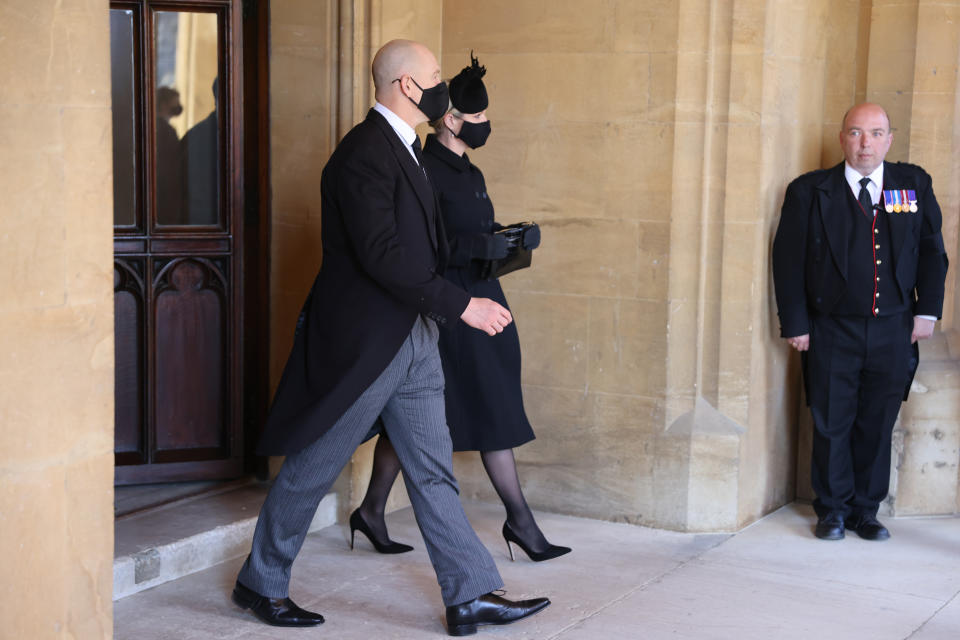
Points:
[772,580]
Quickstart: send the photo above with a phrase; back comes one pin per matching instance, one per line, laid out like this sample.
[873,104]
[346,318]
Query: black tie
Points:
[417,150]
[415,145]
[865,200]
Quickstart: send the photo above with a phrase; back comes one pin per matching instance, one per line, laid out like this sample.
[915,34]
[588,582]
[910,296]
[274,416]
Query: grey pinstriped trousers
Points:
[409,397]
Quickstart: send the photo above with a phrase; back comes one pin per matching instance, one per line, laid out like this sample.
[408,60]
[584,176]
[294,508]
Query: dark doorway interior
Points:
[190,237]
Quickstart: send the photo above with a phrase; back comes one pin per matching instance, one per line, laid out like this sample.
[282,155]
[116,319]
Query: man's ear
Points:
[404,79]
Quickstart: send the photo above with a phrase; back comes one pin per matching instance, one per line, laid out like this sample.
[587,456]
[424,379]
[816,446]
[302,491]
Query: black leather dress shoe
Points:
[280,612]
[830,527]
[867,527]
[463,619]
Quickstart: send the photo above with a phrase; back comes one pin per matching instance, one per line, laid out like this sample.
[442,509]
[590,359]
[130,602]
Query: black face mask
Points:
[474,134]
[434,101]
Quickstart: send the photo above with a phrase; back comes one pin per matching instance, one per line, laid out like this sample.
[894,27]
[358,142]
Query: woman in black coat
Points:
[484,401]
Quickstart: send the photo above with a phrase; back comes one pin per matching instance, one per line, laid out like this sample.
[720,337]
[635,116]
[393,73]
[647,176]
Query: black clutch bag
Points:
[517,257]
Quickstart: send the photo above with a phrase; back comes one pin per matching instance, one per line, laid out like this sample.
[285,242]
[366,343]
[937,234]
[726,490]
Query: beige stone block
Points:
[663,87]
[930,134]
[938,49]
[593,455]
[565,171]
[744,263]
[834,106]
[56,382]
[691,87]
[32,247]
[671,473]
[746,89]
[713,467]
[747,37]
[584,256]
[801,107]
[891,66]
[627,347]
[88,571]
[531,174]
[688,173]
[49,57]
[420,20]
[641,186]
[645,26]
[713,494]
[595,87]
[694,21]
[745,152]
[560,418]
[619,454]
[686,251]
[682,344]
[769,446]
[553,338]
[654,260]
[927,473]
[533,26]
[88,245]
[798,29]
[299,24]
[33,507]
[735,361]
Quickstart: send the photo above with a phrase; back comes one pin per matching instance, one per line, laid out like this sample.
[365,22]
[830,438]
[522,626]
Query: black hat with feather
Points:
[467,92]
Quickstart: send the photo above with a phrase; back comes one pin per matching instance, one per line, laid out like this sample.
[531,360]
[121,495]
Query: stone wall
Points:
[653,143]
[56,311]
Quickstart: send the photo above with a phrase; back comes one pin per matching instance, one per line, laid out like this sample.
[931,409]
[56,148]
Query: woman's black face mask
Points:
[474,134]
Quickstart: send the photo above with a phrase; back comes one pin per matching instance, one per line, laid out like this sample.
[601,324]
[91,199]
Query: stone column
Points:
[919,79]
[56,314]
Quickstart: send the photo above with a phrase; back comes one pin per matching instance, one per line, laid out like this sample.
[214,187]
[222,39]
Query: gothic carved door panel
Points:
[179,238]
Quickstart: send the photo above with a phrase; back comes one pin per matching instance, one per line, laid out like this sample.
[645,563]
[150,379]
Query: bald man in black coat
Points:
[366,346]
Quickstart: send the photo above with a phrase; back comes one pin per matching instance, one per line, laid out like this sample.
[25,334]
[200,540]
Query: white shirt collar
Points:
[876,181]
[405,131]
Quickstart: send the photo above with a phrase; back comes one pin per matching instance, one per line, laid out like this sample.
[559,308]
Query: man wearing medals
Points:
[858,268]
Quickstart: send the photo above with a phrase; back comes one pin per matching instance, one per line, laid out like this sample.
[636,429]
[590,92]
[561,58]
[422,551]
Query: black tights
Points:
[501,467]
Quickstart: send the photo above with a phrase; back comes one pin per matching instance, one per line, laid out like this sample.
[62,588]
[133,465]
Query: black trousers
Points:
[856,372]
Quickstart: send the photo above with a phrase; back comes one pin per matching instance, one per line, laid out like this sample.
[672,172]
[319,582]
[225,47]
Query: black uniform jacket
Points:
[384,248]
[810,247]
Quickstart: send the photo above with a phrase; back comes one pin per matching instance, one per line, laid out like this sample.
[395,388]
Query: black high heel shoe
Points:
[357,523]
[551,552]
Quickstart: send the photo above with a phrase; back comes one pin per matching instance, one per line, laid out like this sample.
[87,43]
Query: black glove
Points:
[496,246]
[531,237]
[488,246]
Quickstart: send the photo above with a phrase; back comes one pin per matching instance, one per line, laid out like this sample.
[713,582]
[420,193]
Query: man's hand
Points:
[486,315]
[800,343]
[922,328]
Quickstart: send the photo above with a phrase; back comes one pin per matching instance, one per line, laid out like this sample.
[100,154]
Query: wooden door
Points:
[181,240]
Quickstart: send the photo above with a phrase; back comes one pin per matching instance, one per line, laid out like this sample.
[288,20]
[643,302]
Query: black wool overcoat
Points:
[811,245]
[384,248]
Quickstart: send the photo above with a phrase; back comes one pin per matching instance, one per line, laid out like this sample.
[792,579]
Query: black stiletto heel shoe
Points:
[551,552]
[357,523]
